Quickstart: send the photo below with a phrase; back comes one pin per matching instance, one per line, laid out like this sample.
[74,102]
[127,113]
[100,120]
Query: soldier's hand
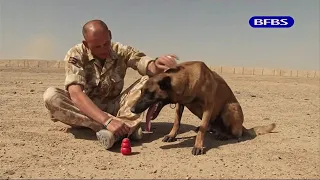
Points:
[117,127]
[166,62]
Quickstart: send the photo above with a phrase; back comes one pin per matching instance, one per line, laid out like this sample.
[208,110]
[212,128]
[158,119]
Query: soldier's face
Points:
[99,44]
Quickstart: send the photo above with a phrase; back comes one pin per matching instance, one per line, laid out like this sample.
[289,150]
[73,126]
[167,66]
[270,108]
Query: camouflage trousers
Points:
[61,108]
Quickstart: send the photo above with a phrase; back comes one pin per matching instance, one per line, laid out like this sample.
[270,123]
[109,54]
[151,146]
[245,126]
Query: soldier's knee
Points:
[49,94]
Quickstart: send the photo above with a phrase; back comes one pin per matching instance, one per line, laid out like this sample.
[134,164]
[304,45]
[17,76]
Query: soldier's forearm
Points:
[84,103]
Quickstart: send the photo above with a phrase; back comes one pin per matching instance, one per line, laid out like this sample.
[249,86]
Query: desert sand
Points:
[32,146]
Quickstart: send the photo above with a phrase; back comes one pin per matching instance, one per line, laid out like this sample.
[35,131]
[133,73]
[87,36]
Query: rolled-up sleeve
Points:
[74,68]
[134,58]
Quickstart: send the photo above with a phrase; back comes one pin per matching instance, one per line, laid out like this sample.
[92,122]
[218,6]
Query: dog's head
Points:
[160,90]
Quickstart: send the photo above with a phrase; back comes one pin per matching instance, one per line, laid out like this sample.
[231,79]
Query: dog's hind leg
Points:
[218,129]
[232,117]
[176,125]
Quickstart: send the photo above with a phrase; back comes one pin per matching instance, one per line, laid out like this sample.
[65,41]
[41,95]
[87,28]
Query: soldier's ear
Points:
[110,34]
[85,43]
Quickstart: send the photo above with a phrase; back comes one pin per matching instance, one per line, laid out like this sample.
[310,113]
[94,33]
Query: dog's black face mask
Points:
[154,95]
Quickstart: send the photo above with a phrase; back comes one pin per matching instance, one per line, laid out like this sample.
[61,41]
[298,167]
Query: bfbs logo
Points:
[271,22]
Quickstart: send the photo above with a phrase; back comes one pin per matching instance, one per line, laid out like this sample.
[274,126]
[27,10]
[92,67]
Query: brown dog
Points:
[205,94]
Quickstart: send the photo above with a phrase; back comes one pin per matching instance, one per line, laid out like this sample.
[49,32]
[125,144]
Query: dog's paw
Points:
[239,139]
[168,138]
[197,151]
[221,137]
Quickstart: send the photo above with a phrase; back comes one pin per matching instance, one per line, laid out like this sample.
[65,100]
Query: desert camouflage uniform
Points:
[102,84]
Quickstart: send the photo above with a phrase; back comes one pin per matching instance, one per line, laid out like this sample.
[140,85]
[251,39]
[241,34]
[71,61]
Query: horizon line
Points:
[26,59]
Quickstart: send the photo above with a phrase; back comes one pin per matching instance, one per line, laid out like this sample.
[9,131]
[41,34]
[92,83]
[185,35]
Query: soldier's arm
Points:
[75,82]
[135,59]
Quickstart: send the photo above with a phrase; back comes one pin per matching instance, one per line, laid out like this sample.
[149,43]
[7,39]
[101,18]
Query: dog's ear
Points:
[165,83]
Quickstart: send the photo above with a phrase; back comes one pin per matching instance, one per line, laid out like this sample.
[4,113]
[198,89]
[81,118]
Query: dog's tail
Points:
[258,130]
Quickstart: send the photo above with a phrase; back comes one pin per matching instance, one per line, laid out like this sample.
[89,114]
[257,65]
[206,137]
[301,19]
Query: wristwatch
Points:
[107,122]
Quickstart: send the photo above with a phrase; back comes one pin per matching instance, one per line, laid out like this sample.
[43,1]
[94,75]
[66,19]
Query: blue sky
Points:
[214,31]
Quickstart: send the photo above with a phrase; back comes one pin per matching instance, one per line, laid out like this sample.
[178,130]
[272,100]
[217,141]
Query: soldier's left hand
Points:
[166,62]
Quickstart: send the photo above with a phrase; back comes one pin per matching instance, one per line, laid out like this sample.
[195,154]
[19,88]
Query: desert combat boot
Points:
[107,138]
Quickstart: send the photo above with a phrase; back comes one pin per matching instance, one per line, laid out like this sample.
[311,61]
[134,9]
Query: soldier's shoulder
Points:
[120,47]
[116,45]
[79,48]
[78,51]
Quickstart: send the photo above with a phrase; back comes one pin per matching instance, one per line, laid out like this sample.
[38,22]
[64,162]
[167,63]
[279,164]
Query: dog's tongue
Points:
[149,117]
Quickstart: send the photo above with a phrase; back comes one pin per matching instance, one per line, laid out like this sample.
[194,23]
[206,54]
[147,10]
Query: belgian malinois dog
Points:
[206,94]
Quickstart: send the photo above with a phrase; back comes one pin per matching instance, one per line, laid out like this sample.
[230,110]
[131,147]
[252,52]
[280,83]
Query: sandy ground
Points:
[32,146]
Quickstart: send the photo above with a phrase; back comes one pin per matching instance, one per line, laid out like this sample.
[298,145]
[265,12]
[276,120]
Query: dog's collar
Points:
[172,107]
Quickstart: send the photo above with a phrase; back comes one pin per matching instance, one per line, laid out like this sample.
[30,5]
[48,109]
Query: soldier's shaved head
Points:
[94,27]
[97,38]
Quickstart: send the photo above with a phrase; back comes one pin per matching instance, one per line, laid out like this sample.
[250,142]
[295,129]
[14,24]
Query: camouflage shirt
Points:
[107,81]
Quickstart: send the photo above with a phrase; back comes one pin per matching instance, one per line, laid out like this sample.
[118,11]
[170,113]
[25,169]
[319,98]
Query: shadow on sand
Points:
[160,129]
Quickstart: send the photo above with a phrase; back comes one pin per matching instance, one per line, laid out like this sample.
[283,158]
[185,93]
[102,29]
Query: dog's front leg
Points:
[198,146]
[176,125]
